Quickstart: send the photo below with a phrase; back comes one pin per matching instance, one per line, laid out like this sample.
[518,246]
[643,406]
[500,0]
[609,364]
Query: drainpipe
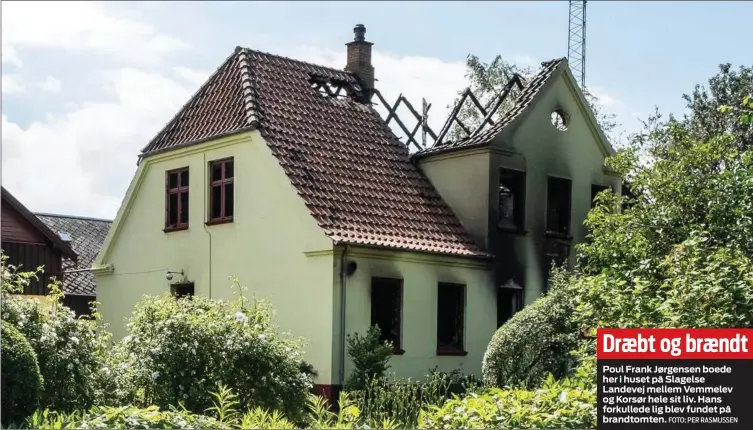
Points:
[206,230]
[342,314]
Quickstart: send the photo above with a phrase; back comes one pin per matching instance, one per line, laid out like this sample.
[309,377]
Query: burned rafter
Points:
[421,119]
[331,87]
[487,112]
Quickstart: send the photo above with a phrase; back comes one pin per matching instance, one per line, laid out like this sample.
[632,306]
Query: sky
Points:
[86,85]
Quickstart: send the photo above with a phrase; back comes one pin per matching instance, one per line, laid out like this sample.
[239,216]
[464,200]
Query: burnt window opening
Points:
[176,196]
[558,196]
[450,317]
[182,290]
[509,302]
[386,308]
[596,189]
[512,200]
[221,190]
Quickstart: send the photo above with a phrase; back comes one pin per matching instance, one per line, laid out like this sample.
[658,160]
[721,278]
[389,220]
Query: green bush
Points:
[123,417]
[179,351]
[534,342]
[554,405]
[402,401]
[21,381]
[69,350]
[370,358]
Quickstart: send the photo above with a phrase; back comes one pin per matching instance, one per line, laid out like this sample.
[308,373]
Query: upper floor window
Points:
[558,195]
[176,196]
[221,192]
[596,189]
[386,309]
[511,209]
[450,318]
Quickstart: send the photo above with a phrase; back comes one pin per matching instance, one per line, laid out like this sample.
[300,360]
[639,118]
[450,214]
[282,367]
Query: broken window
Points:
[184,289]
[511,208]
[176,216]
[450,317]
[596,189]
[386,308]
[221,190]
[558,206]
[556,253]
[509,301]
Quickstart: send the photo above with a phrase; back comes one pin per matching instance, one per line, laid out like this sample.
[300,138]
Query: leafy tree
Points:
[731,88]
[487,80]
[681,254]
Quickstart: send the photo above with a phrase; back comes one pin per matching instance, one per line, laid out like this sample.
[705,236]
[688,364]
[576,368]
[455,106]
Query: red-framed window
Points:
[176,199]
[221,190]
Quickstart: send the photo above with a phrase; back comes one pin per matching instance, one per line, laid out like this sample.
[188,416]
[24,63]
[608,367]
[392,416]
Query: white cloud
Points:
[192,76]
[9,55]
[605,99]
[11,84]
[50,84]
[84,159]
[81,26]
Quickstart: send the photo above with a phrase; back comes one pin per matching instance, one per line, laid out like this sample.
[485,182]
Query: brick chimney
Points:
[359,60]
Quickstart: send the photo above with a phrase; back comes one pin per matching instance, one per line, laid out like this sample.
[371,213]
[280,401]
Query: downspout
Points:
[342,313]
[206,230]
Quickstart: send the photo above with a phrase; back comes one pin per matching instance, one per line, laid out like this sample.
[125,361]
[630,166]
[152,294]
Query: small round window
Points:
[559,119]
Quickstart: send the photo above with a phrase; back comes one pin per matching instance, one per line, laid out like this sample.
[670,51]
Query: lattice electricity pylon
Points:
[421,119]
[576,40]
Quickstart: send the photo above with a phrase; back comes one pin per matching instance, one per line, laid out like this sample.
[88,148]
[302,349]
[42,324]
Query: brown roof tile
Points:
[355,176]
[525,98]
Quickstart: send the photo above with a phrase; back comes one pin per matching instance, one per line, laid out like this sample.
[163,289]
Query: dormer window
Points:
[511,205]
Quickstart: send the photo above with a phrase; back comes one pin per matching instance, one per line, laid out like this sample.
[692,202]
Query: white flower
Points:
[181,387]
[262,336]
[240,317]
[155,375]
[70,366]
[74,339]
[185,395]
[185,345]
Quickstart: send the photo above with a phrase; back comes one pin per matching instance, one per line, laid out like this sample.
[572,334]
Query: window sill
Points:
[219,221]
[177,228]
[512,230]
[450,351]
[398,351]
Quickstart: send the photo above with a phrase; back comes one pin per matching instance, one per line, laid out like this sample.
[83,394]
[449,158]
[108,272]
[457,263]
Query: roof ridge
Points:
[85,218]
[201,89]
[293,60]
[250,103]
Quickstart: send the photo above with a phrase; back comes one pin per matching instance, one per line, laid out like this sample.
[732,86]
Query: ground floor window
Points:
[509,302]
[450,317]
[184,289]
[386,308]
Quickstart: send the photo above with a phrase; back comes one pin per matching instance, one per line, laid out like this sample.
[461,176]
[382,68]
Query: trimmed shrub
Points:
[69,350]
[179,351]
[370,357]
[534,342]
[21,381]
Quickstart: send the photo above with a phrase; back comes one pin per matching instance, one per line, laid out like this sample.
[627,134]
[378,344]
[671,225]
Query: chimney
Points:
[359,60]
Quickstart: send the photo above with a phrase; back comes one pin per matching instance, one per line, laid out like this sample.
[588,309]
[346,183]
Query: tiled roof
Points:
[87,236]
[525,98]
[353,173]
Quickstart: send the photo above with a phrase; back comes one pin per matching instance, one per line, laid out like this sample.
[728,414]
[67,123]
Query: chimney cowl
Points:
[359,32]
